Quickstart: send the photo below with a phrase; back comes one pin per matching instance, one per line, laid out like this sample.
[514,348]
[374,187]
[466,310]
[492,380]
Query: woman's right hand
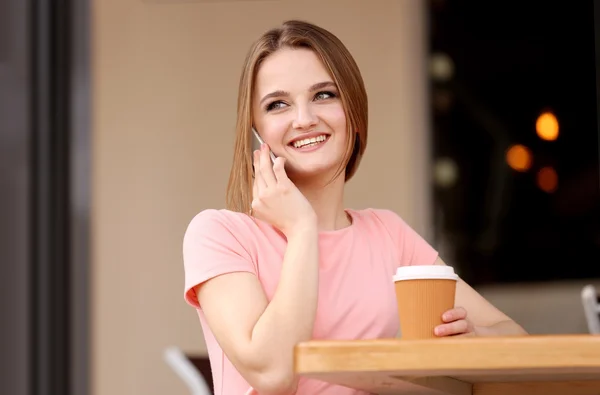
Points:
[276,199]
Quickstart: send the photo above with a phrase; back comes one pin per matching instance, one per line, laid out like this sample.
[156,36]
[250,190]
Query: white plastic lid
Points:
[441,272]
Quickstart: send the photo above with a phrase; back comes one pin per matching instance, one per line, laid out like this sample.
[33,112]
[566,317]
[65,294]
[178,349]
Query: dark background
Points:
[513,60]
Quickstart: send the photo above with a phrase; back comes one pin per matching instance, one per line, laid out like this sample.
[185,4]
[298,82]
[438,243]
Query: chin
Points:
[307,171]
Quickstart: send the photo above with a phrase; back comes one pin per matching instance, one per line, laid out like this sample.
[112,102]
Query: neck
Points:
[327,201]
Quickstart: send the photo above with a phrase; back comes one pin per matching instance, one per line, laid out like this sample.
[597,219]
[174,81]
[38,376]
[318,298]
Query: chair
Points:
[194,371]
[591,308]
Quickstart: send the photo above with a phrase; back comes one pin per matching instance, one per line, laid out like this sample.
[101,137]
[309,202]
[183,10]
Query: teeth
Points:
[311,141]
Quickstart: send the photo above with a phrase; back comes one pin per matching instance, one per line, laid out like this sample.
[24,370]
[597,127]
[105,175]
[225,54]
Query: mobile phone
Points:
[256,143]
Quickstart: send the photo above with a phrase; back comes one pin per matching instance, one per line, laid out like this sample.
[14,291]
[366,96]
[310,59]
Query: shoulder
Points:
[215,242]
[382,217]
[412,248]
[214,219]
[219,223]
[217,217]
[377,221]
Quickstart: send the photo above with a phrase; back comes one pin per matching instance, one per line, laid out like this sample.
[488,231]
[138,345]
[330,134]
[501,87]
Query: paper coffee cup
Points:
[423,293]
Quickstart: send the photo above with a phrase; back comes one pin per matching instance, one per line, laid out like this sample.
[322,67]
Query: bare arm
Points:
[487,319]
[259,336]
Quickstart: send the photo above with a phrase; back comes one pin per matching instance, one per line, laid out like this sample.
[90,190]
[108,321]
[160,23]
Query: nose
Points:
[305,118]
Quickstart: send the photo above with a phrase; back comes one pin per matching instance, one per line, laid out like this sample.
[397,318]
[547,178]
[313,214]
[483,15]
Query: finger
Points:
[279,170]
[266,167]
[455,314]
[453,328]
[258,179]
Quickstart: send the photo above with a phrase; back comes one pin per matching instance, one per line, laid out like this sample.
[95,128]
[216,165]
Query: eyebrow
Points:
[315,87]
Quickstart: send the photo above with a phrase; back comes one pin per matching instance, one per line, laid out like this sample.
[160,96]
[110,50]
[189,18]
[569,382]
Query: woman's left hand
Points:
[456,323]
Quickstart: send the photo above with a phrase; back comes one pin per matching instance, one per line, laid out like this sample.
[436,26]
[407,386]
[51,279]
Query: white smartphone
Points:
[256,143]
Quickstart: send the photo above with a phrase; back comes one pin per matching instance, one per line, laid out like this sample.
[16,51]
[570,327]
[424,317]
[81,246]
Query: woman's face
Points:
[298,112]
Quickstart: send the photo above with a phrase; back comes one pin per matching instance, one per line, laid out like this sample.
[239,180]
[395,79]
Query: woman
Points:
[287,262]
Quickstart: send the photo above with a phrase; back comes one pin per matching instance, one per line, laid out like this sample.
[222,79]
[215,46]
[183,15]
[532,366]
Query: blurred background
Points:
[117,119]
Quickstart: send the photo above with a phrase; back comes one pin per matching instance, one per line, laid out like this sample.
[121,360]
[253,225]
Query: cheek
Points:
[337,120]
[274,129]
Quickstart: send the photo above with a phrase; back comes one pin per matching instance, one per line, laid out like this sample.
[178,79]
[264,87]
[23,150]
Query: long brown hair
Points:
[346,75]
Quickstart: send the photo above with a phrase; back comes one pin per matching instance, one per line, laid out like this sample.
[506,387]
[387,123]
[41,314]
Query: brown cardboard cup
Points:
[423,293]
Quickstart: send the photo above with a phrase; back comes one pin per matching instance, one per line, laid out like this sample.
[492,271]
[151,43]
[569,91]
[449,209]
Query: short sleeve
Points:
[211,247]
[412,248]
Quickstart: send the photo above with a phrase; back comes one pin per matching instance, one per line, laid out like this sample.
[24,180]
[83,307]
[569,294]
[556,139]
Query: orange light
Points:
[546,126]
[547,179]
[519,157]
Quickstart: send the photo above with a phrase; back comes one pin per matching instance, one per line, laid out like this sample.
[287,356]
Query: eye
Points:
[276,105]
[325,95]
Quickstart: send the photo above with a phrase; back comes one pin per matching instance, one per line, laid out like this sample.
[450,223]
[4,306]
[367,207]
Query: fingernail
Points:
[437,331]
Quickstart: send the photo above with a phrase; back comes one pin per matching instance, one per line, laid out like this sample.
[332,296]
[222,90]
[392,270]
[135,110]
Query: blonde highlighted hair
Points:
[346,75]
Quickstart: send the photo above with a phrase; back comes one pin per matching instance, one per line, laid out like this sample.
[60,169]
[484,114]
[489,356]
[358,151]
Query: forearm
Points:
[290,315]
[502,328]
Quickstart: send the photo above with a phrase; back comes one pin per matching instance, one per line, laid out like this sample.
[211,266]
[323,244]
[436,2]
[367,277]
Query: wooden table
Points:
[529,365]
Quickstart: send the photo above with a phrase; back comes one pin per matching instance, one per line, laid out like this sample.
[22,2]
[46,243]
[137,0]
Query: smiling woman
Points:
[302,266]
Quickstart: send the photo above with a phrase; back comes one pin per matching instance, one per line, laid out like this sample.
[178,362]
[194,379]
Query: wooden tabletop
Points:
[532,365]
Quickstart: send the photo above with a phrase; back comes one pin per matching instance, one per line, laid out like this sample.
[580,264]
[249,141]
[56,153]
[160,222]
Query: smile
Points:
[310,141]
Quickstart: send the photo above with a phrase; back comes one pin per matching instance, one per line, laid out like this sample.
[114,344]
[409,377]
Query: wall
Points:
[165,76]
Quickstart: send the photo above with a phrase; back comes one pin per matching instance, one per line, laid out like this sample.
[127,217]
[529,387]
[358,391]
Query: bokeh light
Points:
[547,179]
[519,157]
[546,126]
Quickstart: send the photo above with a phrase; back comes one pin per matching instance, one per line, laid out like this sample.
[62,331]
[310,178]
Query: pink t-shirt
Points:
[356,291]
